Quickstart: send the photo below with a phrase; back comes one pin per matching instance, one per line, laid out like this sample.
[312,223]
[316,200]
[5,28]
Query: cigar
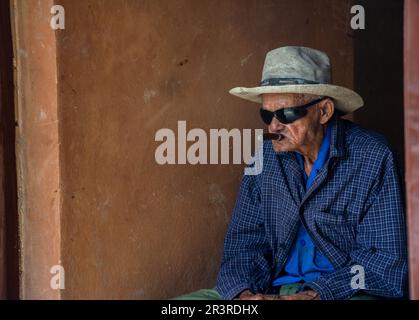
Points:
[270,136]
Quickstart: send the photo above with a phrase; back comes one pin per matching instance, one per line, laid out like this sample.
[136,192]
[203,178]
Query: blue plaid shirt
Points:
[353,212]
[305,261]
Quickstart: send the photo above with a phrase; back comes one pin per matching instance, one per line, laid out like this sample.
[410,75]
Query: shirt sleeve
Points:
[246,259]
[378,263]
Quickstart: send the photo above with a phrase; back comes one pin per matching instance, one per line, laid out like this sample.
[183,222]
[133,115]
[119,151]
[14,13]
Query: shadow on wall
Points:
[378,70]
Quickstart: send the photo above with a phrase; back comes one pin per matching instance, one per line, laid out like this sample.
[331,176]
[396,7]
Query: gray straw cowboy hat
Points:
[300,70]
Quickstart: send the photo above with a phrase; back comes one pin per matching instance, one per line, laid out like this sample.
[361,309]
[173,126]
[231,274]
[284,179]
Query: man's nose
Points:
[275,125]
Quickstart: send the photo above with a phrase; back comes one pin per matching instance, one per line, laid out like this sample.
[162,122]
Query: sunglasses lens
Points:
[292,114]
[266,116]
[285,116]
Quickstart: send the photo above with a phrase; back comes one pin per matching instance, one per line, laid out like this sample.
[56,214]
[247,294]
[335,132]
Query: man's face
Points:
[300,134]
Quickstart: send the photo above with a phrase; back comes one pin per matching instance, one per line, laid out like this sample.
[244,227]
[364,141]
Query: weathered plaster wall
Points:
[130,227]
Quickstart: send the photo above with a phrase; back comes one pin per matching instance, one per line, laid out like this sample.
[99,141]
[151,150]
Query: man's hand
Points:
[303,295]
[248,295]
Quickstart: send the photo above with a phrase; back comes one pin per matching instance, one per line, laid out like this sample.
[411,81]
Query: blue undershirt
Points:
[305,262]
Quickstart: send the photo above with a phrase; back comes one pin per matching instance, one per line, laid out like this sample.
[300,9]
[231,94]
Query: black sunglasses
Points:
[287,115]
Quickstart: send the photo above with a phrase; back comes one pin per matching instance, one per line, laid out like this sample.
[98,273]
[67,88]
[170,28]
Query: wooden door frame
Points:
[411,107]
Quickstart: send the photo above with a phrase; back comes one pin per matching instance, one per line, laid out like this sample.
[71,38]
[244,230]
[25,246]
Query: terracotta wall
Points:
[411,96]
[37,147]
[131,228]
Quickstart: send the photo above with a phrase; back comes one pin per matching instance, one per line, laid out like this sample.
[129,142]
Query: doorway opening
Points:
[9,239]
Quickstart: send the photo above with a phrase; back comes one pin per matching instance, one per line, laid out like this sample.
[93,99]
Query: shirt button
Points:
[302,242]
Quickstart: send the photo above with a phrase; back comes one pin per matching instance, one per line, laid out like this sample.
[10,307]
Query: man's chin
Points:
[281,145]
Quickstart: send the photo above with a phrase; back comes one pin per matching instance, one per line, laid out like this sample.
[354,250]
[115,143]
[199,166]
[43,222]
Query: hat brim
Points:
[345,99]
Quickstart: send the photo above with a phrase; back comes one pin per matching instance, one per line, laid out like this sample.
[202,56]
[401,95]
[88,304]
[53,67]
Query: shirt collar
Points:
[323,154]
[324,149]
[337,137]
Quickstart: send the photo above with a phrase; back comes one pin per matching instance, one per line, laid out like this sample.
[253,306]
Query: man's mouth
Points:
[273,136]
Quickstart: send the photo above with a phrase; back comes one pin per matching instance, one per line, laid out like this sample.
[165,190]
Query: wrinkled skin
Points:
[303,135]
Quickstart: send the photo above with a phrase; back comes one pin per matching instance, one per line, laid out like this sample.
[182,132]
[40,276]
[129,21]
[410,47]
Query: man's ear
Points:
[327,107]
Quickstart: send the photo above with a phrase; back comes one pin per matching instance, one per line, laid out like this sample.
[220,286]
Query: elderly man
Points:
[325,217]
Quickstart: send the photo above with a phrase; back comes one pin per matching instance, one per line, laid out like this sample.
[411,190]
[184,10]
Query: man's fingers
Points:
[271,297]
[253,297]
[310,293]
[299,296]
[304,295]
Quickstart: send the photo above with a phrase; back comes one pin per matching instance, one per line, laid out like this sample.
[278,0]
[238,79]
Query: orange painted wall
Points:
[131,228]
[37,147]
